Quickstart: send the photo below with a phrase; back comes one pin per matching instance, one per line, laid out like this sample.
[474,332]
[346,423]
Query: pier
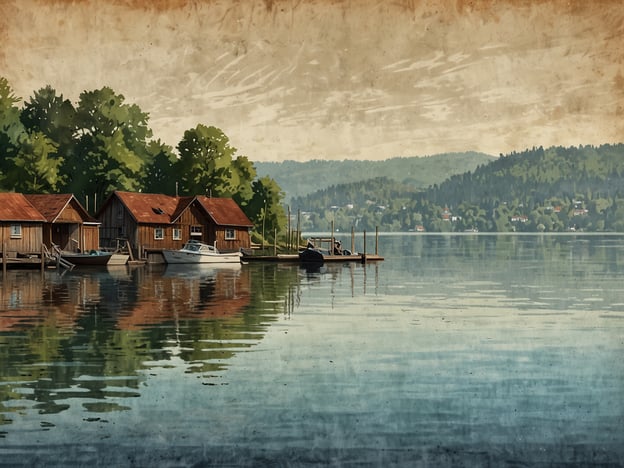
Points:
[325,245]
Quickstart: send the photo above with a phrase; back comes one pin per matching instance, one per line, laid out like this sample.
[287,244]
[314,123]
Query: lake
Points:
[457,350]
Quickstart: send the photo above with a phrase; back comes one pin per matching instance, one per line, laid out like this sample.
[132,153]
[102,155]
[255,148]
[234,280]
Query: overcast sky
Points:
[297,79]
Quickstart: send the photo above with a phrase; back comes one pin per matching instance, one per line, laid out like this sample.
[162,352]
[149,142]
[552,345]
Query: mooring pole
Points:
[376,240]
[364,254]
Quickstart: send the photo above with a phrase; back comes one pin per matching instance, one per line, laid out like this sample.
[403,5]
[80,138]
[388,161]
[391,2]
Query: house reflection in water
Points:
[179,294]
[92,334]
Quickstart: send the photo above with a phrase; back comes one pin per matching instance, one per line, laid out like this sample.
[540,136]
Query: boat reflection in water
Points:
[88,337]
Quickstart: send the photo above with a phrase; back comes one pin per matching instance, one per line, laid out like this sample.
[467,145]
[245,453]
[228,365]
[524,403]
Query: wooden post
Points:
[331,247]
[364,254]
[288,241]
[43,259]
[376,240]
[275,242]
[298,236]
[129,247]
[352,239]
[4,258]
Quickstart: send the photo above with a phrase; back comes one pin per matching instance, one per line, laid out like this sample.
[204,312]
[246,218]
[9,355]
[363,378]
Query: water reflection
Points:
[456,350]
[89,336]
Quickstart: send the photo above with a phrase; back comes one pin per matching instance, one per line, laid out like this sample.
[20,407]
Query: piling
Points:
[364,254]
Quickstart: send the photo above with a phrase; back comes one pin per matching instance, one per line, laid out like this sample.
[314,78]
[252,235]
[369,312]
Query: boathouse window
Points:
[177,233]
[196,231]
[16,231]
[230,234]
[159,233]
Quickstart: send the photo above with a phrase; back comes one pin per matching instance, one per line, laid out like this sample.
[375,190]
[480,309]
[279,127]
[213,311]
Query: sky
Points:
[330,79]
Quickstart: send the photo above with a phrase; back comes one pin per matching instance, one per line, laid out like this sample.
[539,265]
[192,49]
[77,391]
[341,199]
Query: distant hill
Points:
[302,178]
[553,190]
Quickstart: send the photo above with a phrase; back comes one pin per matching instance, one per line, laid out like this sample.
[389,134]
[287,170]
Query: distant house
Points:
[154,222]
[21,226]
[68,225]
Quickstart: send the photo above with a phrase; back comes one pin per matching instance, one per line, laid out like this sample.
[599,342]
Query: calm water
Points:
[455,351]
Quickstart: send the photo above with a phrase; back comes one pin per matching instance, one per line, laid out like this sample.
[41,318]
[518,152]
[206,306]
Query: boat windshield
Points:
[192,246]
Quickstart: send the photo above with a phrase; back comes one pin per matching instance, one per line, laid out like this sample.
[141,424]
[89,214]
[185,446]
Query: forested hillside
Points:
[302,178]
[555,189]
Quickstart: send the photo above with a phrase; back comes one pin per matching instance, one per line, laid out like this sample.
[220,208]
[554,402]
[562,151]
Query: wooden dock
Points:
[326,245]
[294,258]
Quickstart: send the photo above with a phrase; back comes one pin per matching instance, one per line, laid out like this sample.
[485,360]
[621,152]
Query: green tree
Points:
[244,172]
[205,163]
[111,150]
[51,115]
[36,167]
[160,175]
[265,208]
[11,129]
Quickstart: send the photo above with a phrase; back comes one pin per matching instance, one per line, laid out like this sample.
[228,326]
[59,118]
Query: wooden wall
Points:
[117,223]
[29,243]
[90,237]
[70,214]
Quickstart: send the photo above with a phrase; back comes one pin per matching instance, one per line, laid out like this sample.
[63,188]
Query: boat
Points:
[315,254]
[93,257]
[198,252]
[312,255]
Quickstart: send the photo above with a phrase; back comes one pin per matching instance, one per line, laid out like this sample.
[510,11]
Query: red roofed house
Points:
[154,222]
[21,226]
[68,224]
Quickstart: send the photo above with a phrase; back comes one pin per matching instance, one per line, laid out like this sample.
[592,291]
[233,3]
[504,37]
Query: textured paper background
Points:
[363,79]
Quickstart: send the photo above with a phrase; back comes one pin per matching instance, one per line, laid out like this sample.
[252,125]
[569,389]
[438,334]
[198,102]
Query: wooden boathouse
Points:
[21,231]
[152,223]
[68,225]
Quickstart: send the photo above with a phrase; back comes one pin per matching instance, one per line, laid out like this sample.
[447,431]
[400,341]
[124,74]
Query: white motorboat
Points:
[198,252]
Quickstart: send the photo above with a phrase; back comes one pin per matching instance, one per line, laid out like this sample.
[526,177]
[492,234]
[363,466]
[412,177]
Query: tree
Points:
[205,163]
[265,208]
[245,173]
[160,174]
[11,129]
[36,167]
[51,115]
[111,149]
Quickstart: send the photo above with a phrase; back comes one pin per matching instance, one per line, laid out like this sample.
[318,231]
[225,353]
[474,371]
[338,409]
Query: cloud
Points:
[369,79]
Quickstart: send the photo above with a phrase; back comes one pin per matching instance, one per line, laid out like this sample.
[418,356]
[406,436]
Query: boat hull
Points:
[87,259]
[180,256]
[311,256]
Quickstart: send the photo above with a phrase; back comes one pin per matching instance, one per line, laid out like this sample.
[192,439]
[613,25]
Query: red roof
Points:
[224,211]
[15,207]
[152,208]
[52,205]
[149,207]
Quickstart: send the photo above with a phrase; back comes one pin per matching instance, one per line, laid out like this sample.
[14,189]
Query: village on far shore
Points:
[33,225]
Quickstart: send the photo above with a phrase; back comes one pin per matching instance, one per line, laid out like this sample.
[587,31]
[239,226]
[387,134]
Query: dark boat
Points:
[312,255]
[94,257]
